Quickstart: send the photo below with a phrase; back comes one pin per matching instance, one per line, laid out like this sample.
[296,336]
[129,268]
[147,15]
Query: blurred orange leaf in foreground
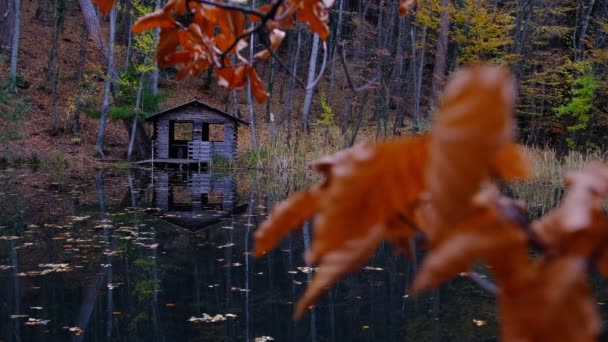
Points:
[441,185]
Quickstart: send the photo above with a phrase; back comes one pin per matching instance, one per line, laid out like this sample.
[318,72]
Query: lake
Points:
[136,255]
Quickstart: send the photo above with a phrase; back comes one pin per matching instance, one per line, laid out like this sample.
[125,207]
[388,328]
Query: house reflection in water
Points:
[195,200]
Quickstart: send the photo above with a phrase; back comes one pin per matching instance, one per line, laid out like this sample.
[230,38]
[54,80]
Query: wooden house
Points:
[193,132]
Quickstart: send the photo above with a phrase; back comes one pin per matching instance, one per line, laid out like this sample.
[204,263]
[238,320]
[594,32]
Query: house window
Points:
[212,201]
[180,199]
[213,132]
[182,131]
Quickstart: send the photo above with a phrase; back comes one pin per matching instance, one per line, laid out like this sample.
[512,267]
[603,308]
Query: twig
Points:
[349,79]
[482,282]
[409,222]
[316,81]
[263,19]
[515,214]
[283,66]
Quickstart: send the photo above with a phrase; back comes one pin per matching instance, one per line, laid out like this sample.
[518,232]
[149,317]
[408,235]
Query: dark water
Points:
[135,256]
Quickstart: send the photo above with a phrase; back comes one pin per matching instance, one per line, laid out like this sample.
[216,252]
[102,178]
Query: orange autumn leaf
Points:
[553,304]
[167,44]
[286,216]
[158,19]
[232,24]
[579,225]
[204,17]
[176,58]
[316,16]
[179,6]
[364,193]
[284,13]
[511,163]
[276,37]
[488,235]
[193,68]
[257,86]
[405,5]
[232,77]
[104,5]
[580,216]
[337,264]
[466,139]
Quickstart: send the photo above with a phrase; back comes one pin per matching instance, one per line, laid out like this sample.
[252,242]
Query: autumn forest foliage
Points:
[516,71]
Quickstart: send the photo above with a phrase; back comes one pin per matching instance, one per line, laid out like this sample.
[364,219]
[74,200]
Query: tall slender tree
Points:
[15,43]
[7,17]
[101,133]
[312,67]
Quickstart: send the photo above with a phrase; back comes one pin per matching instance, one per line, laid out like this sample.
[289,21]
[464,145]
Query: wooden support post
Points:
[152,157]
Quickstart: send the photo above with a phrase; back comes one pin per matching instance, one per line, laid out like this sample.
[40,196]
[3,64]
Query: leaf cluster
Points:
[201,34]
[442,185]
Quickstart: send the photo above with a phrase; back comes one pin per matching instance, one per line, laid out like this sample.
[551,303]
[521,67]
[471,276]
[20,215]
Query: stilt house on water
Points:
[193,132]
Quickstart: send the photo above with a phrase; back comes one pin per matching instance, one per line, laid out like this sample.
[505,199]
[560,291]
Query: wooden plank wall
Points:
[161,146]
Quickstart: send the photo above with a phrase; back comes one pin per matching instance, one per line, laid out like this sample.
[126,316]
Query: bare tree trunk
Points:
[523,18]
[7,17]
[53,67]
[332,73]
[292,85]
[398,71]
[254,140]
[418,79]
[269,115]
[580,38]
[311,78]
[155,72]
[15,43]
[106,91]
[138,107]
[94,27]
[79,76]
[441,56]
[129,42]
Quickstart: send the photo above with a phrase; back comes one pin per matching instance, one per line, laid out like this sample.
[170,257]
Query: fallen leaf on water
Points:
[263,339]
[370,268]
[306,269]
[36,321]
[76,330]
[206,318]
[479,322]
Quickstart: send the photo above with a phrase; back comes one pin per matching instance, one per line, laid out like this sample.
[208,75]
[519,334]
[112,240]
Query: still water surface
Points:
[121,255]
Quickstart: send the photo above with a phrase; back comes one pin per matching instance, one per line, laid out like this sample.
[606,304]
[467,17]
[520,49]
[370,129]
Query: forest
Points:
[457,148]
[380,74]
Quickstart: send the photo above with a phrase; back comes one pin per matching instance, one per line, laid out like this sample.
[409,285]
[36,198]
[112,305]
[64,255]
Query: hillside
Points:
[557,51]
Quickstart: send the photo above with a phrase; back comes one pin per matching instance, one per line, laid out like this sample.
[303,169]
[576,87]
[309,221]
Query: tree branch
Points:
[284,67]
[349,79]
[482,282]
[316,81]
[264,18]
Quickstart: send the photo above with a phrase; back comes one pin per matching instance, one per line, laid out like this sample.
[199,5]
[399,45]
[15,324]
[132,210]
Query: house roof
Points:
[198,103]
